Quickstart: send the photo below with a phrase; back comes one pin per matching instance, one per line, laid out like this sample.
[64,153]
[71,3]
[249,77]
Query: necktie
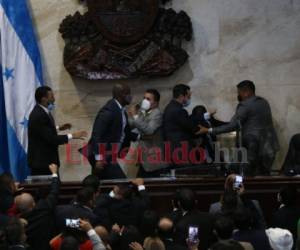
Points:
[52,119]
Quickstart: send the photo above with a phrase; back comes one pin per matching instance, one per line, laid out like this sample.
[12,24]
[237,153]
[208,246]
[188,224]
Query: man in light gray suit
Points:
[253,118]
[148,121]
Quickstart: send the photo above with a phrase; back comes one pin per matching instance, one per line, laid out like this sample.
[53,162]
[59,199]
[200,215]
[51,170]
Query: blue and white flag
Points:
[20,75]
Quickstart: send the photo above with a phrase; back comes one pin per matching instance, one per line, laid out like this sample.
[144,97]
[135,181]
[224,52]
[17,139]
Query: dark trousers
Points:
[259,163]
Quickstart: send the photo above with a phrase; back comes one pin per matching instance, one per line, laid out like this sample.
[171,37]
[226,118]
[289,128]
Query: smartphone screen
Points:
[238,182]
[72,223]
[193,233]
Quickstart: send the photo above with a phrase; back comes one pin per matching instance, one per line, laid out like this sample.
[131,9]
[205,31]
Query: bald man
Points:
[40,228]
[111,133]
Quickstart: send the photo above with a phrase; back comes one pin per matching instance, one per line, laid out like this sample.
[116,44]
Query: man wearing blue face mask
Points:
[178,128]
[43,139]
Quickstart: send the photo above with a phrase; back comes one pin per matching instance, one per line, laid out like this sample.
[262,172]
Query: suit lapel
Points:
[49,117]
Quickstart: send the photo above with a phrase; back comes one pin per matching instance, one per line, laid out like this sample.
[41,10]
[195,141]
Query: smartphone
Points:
[238,182]
[73,223]
[193,234]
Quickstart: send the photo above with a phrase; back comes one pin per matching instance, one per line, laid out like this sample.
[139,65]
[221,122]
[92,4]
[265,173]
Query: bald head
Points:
[165,224]
[24,202]
[102,233]
[122,93]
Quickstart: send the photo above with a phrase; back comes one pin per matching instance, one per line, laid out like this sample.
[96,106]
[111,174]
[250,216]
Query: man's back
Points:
[204,221]
[41,226]
[258,116]
[177,126]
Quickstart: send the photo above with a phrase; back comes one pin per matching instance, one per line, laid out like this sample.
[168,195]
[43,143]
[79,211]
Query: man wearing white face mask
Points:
[43,140]
[148,121]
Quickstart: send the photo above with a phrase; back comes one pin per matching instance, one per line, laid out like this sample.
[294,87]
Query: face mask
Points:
[145,105]
[128,99]
[51,106]
[187,103]
[112,194]
[206,116]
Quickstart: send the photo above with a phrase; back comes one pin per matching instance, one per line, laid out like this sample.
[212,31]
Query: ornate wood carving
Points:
[119,39]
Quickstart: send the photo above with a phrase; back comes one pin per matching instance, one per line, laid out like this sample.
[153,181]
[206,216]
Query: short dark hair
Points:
[91,181]
[85,195]
[41,92]
[14,231]
[149,223]
[227,245]
[69,243]
[199,110]
[229,201]
[125,190]
[155,93]
[187,199]
[224,227]
[180,89]
[130,234]
[288,195]
[246,85]
[243,218]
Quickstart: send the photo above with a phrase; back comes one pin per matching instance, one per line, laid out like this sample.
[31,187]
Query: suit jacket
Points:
[177,125]
[204,221]
[73,211]
[291,165]
[43,140]
[255,118]
[149,126]
[107,130]
[41,226]
[123,212]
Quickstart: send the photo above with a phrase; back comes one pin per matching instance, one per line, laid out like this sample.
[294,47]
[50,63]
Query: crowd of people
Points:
[123,219]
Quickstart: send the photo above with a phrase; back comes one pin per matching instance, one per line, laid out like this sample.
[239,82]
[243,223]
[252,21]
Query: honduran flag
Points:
[20,75]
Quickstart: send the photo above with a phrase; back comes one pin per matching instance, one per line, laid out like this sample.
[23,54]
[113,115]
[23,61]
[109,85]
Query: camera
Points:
[193,234]
[73,223]
[238,182]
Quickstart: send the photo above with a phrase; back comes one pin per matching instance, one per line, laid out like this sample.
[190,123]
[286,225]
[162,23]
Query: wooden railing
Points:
[208,190]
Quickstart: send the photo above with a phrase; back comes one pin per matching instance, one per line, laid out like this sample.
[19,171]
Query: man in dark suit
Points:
[178,128]
[291,164]
[191,216]
[254,118]
[111,133]
[124,205]
[43,140]
[288,214]
[40,215]
[80,208]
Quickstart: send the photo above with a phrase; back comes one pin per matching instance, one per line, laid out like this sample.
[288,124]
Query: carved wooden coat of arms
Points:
[121,39]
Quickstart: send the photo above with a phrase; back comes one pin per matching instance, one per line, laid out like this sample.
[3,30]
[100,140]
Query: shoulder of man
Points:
[156,112]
